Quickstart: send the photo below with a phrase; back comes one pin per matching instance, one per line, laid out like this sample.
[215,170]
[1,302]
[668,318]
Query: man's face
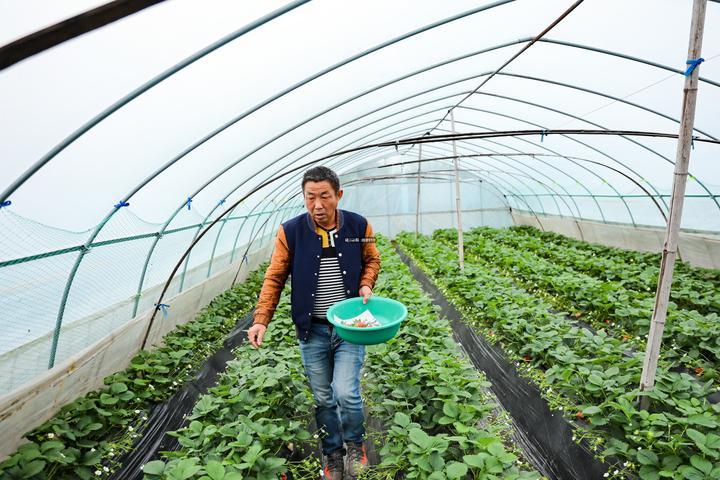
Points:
[321,200]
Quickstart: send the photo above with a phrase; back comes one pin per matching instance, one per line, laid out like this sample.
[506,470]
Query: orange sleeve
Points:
[371,260]
[275,277]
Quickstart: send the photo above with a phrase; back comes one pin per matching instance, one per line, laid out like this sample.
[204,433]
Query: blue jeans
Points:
[333,368]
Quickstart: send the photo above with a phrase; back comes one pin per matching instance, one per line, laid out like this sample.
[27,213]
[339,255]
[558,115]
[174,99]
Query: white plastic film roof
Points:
[121,114]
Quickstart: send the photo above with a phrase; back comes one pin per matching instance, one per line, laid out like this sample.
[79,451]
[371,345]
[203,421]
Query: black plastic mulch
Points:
[545,436]
[170,415]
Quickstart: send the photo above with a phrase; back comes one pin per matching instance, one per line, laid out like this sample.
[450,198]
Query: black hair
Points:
[320,174]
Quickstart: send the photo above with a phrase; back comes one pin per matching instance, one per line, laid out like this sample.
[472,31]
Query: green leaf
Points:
[118,387]
[450,409]
[702,420]
[592,410]
[690,473]
[420,438]
[646,457]
[106,399]
[156,467]
[29,451]
[649,472]
[91,458]
[215,470]
[595,379]
[52,445]
[475,461]
[496,449]
[32,468]
[456,470]
[402,419]
[185,468]
[701,464]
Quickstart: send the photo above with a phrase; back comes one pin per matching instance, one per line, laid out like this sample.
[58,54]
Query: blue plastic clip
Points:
[245,259]
[693,64]
[221,201]
[121,204]
[542,136]
[692,142]
[163,308]
[189,201]
[6,203]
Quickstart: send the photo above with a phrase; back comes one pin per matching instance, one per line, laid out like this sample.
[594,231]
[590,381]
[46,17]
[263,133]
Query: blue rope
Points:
[189,201]
[122,204]
[163,308]
[693,64]
[6,203]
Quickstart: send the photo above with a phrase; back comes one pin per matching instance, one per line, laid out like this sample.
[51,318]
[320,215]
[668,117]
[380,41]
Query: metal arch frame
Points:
[396,123]
[486,50]
[38,165]
[359,156]
[512,174]
[505,146]
[75,135]
[361,159]
[112,212]
[125,100]
[616,99]
[601,152]
[544,148]
[384,128]
[554,194]
[516,197]
[569,158]
[382,118]
[351,160]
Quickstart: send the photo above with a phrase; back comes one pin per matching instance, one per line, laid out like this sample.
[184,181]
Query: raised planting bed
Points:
[442,421]
[691,339]
[546,437]
[255,423]
[89,436]
[688,293]
[435,418]
[587,376]
[644,259]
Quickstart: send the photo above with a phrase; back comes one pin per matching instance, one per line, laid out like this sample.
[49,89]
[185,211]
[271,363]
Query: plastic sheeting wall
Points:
[390,206]
[36,402]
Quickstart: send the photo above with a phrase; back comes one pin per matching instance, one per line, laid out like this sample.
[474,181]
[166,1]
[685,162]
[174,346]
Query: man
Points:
[331,256]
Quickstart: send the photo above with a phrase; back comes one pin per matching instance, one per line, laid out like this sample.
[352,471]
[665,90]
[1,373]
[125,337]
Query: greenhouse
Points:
[361,240]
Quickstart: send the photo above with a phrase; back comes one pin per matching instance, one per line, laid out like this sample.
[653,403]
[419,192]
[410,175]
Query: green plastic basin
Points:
[388,312]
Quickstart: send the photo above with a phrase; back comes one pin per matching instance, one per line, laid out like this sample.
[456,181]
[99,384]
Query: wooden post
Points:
[667,265]
[461,250]
[417,203]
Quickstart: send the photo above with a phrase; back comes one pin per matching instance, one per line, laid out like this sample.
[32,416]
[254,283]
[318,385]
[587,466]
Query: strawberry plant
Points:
[692,339]
[254,422]
[589,376]
[86,438]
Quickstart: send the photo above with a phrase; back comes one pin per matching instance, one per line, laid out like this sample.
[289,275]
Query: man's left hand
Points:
[366,293]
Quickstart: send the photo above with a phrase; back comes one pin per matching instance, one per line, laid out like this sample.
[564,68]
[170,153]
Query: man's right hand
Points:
[256,334]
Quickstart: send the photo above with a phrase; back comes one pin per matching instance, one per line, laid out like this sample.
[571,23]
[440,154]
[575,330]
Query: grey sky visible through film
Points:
[46,97]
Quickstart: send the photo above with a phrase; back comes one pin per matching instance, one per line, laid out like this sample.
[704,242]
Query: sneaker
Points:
[334,466]
[356,459]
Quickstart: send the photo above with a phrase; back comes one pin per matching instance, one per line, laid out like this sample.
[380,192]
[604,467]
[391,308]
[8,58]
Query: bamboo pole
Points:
[461,250]
[667,265]
[417,202]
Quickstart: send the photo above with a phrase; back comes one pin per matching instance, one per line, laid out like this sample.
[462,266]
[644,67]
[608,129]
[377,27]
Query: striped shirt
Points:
[330,287]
